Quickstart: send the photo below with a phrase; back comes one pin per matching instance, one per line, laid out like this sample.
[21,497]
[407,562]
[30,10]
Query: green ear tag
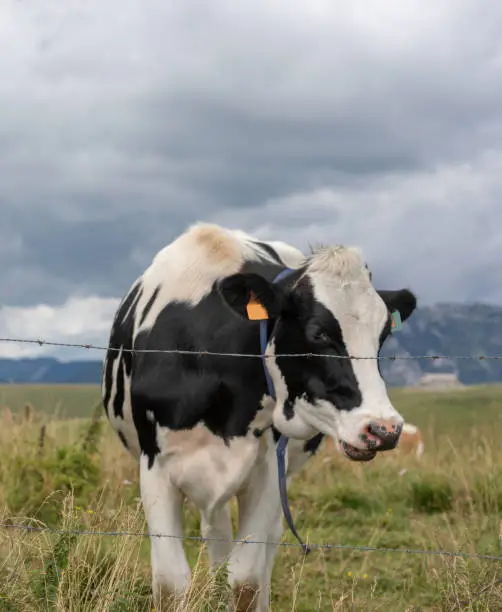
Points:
[397,324]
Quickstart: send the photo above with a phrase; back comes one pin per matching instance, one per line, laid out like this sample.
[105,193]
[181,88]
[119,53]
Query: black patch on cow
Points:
[315,330]
[182,390]
[402,300]
[257,267]
[147,435]
[288,411]
[311,446]
[271,252]
[149,305]
[120,337]
[236,291]
[118,400]
[123,439]
[107,379]
[386,332]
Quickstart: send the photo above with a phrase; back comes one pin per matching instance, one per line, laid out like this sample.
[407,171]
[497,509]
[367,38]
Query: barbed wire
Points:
[355,547]
[97,347]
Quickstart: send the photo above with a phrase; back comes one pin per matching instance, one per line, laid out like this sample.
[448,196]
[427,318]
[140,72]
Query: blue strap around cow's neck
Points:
[283,440]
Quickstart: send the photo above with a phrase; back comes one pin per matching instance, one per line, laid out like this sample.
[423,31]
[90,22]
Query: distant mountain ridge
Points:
[449,329]
[48,370]
[443,329]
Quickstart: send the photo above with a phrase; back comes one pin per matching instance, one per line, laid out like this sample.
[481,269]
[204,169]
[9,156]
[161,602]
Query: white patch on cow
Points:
[162,504]
[187,268]
[260,519]
[134,302]
[150,416]
[295,427]
[208,471]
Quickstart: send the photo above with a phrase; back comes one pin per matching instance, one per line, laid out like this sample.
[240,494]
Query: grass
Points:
[81,478]
[62,400]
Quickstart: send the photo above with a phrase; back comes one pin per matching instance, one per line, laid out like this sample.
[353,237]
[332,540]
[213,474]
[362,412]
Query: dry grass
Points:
[451,501]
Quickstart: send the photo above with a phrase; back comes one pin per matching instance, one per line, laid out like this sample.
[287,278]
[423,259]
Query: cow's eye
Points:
[321,337]
[317,334]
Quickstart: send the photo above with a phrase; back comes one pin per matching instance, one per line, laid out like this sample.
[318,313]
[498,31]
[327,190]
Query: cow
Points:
[204,427]
[411,441]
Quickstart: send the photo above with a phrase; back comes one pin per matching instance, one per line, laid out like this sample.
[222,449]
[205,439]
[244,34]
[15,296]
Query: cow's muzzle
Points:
[383,435]
[376,436]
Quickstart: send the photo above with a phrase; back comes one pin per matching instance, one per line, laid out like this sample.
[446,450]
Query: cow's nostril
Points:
[388,434]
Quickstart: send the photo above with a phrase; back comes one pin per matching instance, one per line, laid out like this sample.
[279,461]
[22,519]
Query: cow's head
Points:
[330,309]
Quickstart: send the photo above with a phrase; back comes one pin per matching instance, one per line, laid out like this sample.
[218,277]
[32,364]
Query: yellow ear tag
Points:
[255,310]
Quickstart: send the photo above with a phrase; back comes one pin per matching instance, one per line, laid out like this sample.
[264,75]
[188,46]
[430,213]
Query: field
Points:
[74,475]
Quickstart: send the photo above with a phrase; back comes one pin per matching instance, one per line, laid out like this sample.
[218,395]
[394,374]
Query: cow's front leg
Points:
[163,507]
[260,519]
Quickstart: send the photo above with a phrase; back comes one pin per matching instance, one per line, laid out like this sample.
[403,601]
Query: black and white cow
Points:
[205,427]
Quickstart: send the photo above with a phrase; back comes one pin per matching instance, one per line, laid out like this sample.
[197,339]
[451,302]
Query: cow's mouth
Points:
[356,454]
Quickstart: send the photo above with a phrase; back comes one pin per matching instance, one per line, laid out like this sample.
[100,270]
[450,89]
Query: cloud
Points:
[429,230]
[77,321]
[377,124]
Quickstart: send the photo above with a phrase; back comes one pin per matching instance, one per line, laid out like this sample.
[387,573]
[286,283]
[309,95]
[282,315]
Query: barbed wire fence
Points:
[41,342]
[203,539]
[314,546]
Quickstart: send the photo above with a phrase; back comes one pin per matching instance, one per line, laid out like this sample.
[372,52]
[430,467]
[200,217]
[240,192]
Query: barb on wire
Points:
[41,342]
[142,534]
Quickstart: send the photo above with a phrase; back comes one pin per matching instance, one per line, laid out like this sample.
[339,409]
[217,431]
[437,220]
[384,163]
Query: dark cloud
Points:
[123,122]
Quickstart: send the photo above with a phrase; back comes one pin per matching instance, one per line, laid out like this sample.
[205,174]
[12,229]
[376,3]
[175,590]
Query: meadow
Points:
[62,467]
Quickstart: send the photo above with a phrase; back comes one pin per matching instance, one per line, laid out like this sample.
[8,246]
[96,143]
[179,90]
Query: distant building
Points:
[440,381]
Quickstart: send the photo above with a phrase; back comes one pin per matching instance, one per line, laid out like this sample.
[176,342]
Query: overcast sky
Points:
[377,124]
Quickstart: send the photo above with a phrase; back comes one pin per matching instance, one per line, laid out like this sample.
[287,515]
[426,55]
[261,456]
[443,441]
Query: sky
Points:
[375,124]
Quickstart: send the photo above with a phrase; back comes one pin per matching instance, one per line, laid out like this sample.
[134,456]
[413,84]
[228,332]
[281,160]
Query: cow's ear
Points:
[402,300]
[251,296]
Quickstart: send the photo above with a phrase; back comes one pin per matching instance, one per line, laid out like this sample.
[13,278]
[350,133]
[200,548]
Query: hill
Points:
[49,370]
[443,329]
[447,329]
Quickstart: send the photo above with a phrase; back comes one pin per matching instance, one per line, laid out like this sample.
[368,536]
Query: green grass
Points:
[452,500]
[64,401]
[435,410]
[440,411]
